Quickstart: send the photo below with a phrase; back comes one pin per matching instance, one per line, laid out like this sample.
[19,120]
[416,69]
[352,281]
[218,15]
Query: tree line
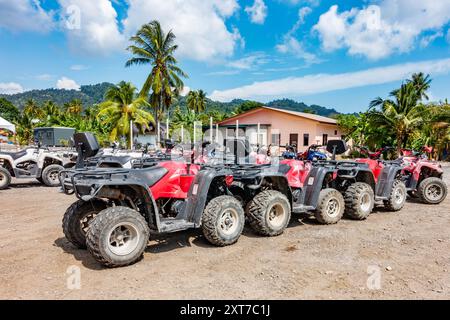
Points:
[406,119]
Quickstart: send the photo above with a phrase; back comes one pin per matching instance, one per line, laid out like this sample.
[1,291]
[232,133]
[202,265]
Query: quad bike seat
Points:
[152,175]
[15,155]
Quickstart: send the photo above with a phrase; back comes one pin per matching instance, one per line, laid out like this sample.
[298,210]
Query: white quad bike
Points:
[33,162]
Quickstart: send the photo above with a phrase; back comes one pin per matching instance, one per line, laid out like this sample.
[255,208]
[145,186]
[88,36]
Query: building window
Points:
[324,139]
[276,138]
[335,132]
[306,139]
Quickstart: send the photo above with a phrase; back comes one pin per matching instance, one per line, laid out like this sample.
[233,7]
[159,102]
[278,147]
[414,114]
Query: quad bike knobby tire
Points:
[223,221]
[397,197]
[359,201]
[432,190]
[330,208]
[5,178]
[269,213]
[77,218]
[117,236]
[50,175]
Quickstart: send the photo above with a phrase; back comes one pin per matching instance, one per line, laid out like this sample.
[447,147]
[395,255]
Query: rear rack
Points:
[69,177]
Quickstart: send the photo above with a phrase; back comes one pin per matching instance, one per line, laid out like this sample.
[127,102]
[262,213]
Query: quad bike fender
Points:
[69,165]
[315,182]
[274,181]
[386,181]
[114,185]
[366,176]
[7,163]
[207,185]
[433,169]
[50,159]
[421,170]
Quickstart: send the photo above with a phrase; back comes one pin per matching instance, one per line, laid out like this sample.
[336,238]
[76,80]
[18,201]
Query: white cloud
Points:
[67,84]
[198,25]
[377,31]
[291,45]
[257,12]
[226,8]
[223,73]
[426,40]
[185,91]
[238,38]
[25,15]
[92,27]
[249,62]
[45,77]
[10,88]
[313,3]
[317,83]
[98,31]
[78,67]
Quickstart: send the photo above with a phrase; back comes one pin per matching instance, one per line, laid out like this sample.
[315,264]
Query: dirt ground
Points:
[389,256]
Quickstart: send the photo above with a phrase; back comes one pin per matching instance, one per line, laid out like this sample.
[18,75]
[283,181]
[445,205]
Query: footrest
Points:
[172,225]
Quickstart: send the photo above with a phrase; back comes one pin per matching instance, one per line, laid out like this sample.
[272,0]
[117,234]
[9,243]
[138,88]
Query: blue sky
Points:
[338,54]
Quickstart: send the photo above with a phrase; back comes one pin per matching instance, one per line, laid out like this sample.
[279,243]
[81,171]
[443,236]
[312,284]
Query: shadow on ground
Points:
[81,255]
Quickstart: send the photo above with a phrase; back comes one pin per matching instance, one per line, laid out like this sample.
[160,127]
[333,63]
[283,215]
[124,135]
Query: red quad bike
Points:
[119,209]
[387,183]
[423,178]
[308,189]
[327,189]
[358,183]
[373,155]
[362,182]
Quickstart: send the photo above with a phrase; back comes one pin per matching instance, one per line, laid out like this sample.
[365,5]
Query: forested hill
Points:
[89,95]
[92,94]
[286,104]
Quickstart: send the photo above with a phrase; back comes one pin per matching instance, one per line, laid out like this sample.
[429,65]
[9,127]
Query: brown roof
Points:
[310,116]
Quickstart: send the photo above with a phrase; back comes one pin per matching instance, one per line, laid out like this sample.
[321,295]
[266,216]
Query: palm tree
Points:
[32,110]
[74,107]
[435,129]
[421,84]
[201,101]
[24,128]
[50,109]
[400,115]
[196,101]
[186,118]
[154,47]
[192,100]
[121,107]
